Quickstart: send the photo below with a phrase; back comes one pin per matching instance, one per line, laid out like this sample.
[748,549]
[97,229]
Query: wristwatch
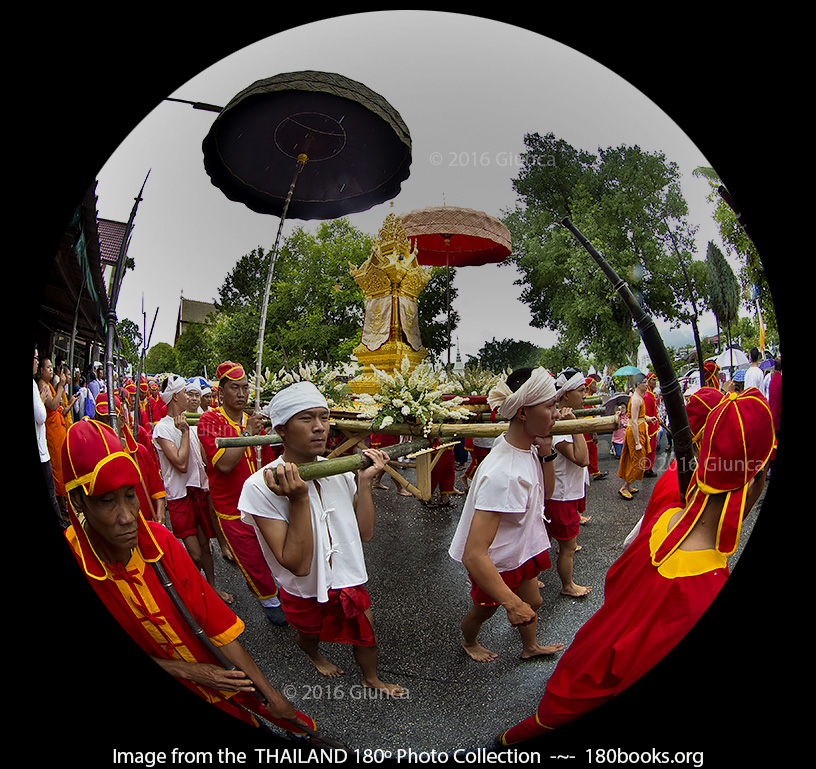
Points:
[550,458]
[245,434]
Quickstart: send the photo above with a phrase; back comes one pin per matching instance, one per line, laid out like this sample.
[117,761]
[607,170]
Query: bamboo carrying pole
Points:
[605,424]
[352,462]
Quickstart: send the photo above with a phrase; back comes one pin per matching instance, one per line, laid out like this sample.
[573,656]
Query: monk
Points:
[636,443]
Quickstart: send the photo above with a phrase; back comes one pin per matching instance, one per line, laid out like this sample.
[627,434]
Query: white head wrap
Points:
[194,385]
[292,400]
[573,383]
[175,384]
[540,387]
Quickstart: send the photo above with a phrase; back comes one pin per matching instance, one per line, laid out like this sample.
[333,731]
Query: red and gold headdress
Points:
[736,442]
[711,369]
[93,458]
[698,406]
[101,405]
[230,370]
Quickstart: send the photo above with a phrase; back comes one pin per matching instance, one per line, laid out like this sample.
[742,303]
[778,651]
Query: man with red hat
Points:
[115,548]
[666,580]
[151,492]
[666,492]
[227,469]
[650,409]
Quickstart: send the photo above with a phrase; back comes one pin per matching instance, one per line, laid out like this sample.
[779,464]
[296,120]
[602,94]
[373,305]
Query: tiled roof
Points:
[191,311]
[110,240]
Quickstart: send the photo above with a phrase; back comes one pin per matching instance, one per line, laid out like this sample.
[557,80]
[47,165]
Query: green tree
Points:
[628,204]
[724,290]
[560,357]
[751,275]
[508,353]
[161,357]
[315,309]
[193,353]
[130,340]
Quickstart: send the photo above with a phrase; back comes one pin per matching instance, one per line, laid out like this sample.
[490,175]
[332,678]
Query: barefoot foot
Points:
[541,651]
[325,667]
[392,690]
[575,591]
[478,652]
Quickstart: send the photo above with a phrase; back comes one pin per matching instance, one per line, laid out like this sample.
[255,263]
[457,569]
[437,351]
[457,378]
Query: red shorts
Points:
[513,578]
[189,513]
[564,517]
[340,620]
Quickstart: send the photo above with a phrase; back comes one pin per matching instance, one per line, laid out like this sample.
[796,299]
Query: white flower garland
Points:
[412,395]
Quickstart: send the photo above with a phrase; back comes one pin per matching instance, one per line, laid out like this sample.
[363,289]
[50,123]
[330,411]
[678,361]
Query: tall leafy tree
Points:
[315,309]
[629,205]
[724,289]
[751,275]
[498,355]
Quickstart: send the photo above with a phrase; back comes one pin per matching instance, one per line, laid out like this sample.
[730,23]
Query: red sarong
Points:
[341,620]
[513,578]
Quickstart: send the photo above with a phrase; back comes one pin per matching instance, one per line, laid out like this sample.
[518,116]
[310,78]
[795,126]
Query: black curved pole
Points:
[669,386]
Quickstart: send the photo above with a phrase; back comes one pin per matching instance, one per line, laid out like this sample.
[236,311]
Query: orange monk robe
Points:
[55,430]
[633,462]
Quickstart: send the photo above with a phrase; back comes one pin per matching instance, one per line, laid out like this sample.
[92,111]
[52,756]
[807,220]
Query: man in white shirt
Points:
[185,480]
[311,535]
[753,374]
[568,499]
[501,538]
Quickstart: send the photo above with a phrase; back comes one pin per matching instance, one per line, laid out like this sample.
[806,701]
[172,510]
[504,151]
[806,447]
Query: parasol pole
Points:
[301,162]
[669,386]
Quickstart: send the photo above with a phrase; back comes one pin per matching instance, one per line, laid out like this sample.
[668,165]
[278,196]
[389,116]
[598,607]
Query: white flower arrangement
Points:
[411,395]
[325,378]
[475,380]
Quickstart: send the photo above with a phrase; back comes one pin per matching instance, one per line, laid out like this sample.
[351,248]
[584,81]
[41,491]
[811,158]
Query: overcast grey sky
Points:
[468,94]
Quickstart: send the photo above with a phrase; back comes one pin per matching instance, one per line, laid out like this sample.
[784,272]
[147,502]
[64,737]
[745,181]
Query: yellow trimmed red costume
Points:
[655,592]
[94,459]
[225,489]
[152,486]
[666,491]
[652,428]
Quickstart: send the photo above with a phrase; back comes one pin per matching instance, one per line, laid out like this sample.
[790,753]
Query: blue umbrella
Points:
[627,371]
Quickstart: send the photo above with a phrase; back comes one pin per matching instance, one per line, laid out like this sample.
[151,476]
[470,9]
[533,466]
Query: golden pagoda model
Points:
[391,279]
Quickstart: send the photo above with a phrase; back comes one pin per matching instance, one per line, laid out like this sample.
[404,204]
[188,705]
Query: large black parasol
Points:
[306,145]
[357,148]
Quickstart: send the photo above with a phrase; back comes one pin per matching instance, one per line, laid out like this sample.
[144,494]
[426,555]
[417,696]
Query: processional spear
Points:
[116,285]
[669,385]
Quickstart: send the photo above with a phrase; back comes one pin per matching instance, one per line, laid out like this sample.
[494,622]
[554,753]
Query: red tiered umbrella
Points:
[456,237]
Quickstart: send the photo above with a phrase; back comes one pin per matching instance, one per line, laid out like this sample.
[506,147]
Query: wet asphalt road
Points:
[419,597]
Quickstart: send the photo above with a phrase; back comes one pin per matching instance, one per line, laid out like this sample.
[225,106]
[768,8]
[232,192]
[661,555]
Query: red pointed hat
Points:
[101,404]
[230,370]
[93,458]
[711,369]
[699,405]
[736,442]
